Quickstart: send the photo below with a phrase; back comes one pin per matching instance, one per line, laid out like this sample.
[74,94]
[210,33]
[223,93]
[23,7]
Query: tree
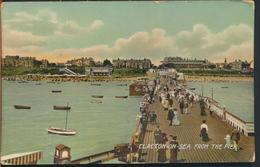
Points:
[107,63]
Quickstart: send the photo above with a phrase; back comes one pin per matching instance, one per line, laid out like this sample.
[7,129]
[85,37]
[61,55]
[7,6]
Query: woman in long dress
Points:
[175,121]
[162,150]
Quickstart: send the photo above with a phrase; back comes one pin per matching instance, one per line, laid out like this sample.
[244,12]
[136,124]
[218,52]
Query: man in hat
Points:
[170,116]
[174,149]
[235,137]
[157,135]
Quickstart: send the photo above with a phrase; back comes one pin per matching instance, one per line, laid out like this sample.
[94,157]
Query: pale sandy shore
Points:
[218,79]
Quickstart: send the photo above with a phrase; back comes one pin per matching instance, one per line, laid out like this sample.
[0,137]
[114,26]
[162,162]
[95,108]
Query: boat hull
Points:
[61,108]
[22,107]
[97,96]
[60,131]
[122,97]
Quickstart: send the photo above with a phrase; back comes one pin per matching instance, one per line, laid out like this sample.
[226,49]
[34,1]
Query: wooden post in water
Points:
[202,90]
[66,116]
[212,93]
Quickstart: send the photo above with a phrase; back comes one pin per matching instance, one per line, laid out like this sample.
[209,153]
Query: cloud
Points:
[70,28]
[46,22]
[233,42]
[17,39]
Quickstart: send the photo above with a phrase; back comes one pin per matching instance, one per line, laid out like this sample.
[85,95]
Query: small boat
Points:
[192,88]
[95,84]
[224,87]
[22,107]
[97,96]
[123,97]
[61,131]
[61,107]
[38,84]
[56,91]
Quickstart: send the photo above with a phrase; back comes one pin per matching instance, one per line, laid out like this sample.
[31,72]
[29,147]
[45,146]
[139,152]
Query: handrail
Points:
[230,117]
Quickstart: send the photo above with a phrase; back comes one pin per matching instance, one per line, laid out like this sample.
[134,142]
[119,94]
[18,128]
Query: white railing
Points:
[243,126]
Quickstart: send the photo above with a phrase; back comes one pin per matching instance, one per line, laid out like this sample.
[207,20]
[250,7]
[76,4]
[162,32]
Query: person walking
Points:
[181,105]
[157,135]
[175,121]
[162,150]
[204,131]
[170,116]
[202,107]
[174,149]
[235,137]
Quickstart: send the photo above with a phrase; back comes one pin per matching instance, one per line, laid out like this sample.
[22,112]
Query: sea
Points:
[99,126]
[236,97]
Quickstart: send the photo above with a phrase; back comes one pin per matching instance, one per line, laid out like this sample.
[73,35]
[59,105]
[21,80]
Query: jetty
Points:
[188,135]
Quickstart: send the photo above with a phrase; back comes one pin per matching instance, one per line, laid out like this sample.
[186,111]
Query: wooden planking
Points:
[188,133]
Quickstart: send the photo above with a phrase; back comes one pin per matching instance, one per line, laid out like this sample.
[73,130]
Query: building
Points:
[180,63]
[84,61]
[132,63]
[240,65]
[62,154]
[44,63]
[16,61]
[98,71]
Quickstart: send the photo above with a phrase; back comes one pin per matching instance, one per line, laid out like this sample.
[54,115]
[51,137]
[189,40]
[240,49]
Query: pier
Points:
[188,135]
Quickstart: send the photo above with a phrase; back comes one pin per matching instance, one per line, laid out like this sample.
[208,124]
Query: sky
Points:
[59,31]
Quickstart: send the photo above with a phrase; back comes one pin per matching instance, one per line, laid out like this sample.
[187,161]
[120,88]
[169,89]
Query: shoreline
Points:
[218,79]
[188,78]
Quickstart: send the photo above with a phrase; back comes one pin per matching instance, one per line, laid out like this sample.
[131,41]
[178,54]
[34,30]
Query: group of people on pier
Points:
[185,104]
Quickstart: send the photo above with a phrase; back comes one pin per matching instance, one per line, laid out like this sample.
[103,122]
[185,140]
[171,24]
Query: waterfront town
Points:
[90,67]
[127,82]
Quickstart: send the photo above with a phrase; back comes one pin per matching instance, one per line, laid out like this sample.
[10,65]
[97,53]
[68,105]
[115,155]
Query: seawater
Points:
[238,97]
[100,126]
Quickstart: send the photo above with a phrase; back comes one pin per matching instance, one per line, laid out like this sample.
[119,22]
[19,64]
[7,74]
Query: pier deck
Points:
[189,133]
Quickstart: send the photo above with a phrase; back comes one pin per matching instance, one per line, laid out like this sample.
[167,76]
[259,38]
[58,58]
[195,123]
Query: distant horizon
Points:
[46,30]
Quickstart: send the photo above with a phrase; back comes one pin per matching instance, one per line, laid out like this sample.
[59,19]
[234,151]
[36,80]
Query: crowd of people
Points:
[185,103]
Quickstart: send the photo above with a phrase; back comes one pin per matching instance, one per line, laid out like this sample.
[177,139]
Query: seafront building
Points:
[132,63]
[27,62]
[98,71]
[182,63]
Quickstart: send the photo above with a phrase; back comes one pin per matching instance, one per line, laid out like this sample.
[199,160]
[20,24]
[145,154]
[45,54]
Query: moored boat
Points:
[61,131]
[22,107]
[97,96]
[224,87]
[38,84]
[124,97]
[95,84]
[61,107]
[192,88]
[56,91]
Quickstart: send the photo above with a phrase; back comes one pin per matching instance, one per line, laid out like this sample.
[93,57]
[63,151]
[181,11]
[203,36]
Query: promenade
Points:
[189,133]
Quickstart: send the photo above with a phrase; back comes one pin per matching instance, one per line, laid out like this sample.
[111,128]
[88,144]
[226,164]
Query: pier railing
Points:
[244,127]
